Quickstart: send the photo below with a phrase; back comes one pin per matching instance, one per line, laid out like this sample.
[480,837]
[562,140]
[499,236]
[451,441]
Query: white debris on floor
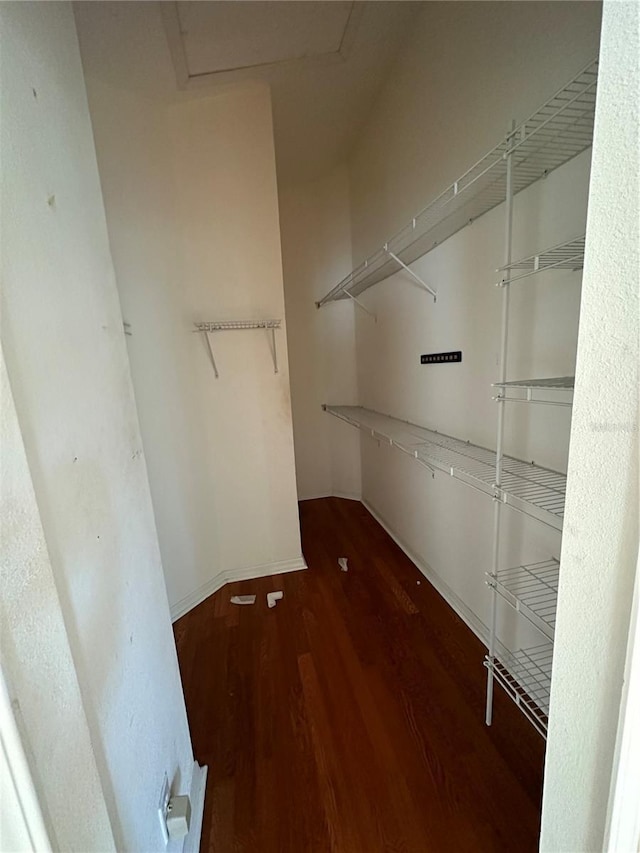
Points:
[342,562]
[273,597]
[243,599]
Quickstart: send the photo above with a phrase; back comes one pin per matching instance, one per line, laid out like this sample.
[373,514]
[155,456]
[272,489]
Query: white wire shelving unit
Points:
[530,489]
[557,390]
[207,328]
[525,675]
[553,391]
[565,256]
[558,131]
[531,590]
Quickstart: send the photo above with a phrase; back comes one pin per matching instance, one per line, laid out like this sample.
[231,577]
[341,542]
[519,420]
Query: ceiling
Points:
[325,61]
[230,36]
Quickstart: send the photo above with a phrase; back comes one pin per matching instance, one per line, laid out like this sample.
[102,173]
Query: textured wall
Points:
[37,661]
[600,543]
[67,363]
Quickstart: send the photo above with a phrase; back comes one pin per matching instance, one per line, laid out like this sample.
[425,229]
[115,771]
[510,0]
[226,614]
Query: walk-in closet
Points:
[320,322]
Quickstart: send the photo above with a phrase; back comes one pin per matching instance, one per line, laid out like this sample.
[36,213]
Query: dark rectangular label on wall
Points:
[441,357]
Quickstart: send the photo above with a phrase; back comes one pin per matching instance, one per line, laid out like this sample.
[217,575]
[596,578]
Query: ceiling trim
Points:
[186,80]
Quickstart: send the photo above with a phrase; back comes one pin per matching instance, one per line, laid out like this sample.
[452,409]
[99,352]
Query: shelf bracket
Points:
[415,277]
[427,466]
[211,355]
[274,351]
[360,305]
[269,326]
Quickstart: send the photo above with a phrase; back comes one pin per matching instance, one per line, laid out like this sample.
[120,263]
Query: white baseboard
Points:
[228,576]
[279,568]
[194,598]
[453,600]
[348,496]
[196,795]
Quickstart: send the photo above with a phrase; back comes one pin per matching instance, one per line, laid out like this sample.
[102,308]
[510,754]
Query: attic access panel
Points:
[230,40]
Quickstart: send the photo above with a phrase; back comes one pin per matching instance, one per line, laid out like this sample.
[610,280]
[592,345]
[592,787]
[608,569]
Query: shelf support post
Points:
[497,504]
[415,277]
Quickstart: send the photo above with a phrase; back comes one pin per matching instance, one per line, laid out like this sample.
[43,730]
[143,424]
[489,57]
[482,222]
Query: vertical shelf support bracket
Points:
[413,275]
[497,504]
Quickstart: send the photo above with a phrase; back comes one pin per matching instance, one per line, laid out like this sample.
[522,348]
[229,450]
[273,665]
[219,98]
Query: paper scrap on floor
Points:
[243,599]
[273,597]
[342,562]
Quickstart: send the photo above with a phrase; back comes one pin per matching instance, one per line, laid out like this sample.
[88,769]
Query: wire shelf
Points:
[558,131]
[525,676]
[528,488]
[553,383]
[532,590]
[565,256]
[237,325]
[231,325]
[554,391]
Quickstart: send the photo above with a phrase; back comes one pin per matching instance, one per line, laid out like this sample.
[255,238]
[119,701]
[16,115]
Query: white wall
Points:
[466,71]
[191,202]
[600,544]
[316,251]
[67,364]
[38,664]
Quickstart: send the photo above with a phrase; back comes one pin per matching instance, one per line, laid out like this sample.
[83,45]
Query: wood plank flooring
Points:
[349,719]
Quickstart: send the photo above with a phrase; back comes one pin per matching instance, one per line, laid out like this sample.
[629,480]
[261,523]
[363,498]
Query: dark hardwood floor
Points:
[350,718]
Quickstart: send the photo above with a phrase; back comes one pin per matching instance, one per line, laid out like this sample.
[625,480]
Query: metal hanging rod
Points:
[239,325]
[564,256]
[558,131]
